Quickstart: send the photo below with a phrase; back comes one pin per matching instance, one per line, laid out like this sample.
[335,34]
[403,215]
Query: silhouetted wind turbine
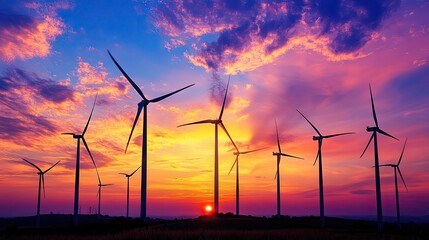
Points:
[41,185]
[279,155]
[128,186]
[216,122]
[374,131]
[100,185]
[78,137]
[143,106]
[397,169]
[319,139]
[237,178]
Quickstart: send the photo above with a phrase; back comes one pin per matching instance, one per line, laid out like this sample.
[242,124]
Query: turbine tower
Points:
[128,187]
[237,153]
[279,154]
[143,106]
[374,131]
[319,140]
[79,137]
[41,185]
[216,122]
[397,169]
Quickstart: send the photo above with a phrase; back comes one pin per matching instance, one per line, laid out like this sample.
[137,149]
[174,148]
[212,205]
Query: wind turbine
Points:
[41,185]
[216,122]
[79,137]
[100,185]
[374,131]
[128,186]
[237,179]
[319,139]
[397,169]
[143,106]
[279,154]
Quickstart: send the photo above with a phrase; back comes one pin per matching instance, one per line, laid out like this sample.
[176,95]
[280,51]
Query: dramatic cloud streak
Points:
[22,96]
[249,34]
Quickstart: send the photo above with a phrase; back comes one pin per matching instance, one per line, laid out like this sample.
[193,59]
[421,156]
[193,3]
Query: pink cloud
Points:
[25,37]
[94,79]
[29,42]
[88,74]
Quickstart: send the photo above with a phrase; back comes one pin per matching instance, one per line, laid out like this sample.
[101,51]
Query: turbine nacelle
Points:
[372,129]
[77,136]
[317,138]
[236,153]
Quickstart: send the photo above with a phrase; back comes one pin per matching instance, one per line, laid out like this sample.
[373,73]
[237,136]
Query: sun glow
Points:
[208,209]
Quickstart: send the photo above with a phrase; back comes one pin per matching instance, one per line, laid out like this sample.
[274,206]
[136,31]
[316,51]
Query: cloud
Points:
[88,74]
[44,89]
[244,35]
[94,79]
[27,30]
[22,95]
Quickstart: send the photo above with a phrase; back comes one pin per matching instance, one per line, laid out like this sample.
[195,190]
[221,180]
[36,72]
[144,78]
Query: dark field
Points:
[222,227]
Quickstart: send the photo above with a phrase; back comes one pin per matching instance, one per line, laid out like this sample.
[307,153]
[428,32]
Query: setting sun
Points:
[209,208]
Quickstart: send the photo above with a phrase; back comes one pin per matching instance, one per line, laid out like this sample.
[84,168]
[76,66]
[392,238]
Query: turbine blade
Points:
[99,190]
[339,134]
[385,133]
[139,110]
[317,157]
[310,123]
[386,165]
[135,171]
[67,134]
[277,174]
[167,95]
[95,165]
[236,159]
[372,136]
[108,184]
[256,150]
[224,99]
[287,155]
[373,107]
[278,140]
[199,122]
[400,174]
[90,115]
[123,174]
[402,153]
[47,170]
[128,78]
[229,136]
[32,164]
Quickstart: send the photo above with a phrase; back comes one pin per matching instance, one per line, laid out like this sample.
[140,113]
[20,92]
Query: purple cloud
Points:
[46,89]
[243,26]
[19,91]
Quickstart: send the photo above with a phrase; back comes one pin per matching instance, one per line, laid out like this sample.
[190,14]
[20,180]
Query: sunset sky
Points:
[315,56]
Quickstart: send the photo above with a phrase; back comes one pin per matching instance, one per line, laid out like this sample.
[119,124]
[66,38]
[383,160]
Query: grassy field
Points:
[211,228]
